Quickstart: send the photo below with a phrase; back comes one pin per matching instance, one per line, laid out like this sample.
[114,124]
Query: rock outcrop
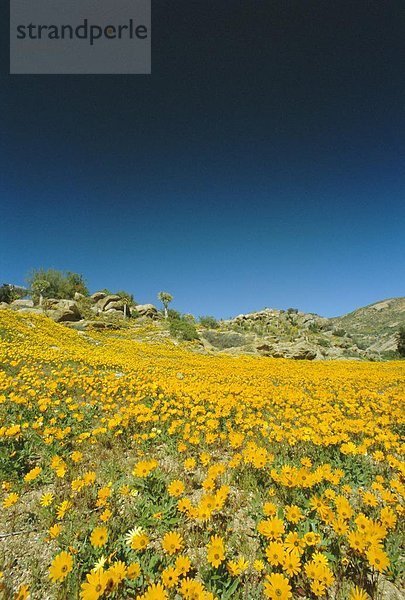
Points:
[145,310]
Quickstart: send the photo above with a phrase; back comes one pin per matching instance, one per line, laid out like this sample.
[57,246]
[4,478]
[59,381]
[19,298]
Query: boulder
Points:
[145,310]
[104,302]
[98,296]
[23,303]
[115,305]
[33,311]
[303,353]
[78,296]
[114,312]
[4,305]
[50,302]
[65,310]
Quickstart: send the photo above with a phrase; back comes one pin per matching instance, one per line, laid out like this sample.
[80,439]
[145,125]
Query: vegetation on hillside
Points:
[50,283]
[134,470]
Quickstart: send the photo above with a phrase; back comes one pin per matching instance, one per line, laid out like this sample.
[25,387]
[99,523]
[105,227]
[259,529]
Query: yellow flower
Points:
[271,528]
[33,474]
[291,563]
[357,593]
[294,542]
[277,587]
[133,570]
[117,572]
[95,584]
[46,499]
[269,509]
[293,513]
[10,500]
[99,537]
[378,558]
[155,592]
[311,538]
[61,566]
[137,540]
[170,577]
[258,566]
[23,593]
[55,530]
[183,564]
[76,456]
[143,468]
[216,551]
[275,553]
[172,542]
[318,588]
[176,488]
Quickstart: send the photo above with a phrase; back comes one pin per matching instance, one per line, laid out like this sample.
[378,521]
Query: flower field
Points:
[147,471]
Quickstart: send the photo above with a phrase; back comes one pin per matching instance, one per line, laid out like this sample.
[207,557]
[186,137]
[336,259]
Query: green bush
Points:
[209,322]
[401,341]
[223,340]
[5,293]
[182,329]
[60,284]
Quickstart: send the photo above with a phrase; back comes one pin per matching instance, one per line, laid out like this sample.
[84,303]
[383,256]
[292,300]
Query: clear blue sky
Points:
[261,164]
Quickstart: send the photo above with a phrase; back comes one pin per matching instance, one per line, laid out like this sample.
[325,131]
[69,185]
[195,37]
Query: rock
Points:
[115,305]
[50,302]
[100,325]
[83,325]
[33,311]
[4,305]
[98,296]
[264,348]
[145,310]
[78,296]
[104,302]
[23,303]
[303,353]
[65,310]
[114,313]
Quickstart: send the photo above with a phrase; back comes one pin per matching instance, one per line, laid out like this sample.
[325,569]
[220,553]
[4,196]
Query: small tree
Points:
[209,322]
[39,287]
[74,282]
[127,299]
[165,299]
[6,293]
[401,341]
[61,284]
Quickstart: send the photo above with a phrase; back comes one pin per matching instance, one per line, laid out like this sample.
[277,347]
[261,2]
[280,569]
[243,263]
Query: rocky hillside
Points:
[375,326]
[367,333]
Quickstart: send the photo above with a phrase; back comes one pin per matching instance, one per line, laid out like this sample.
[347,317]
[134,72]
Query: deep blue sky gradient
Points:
[261,164]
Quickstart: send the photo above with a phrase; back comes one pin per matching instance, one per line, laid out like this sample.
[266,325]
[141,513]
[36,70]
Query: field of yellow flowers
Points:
[147,471]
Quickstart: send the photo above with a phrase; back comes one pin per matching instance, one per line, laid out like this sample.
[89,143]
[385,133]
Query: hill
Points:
[375,325]
[368,333]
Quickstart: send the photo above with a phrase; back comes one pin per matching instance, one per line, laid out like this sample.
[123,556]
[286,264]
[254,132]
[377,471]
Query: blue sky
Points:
[260,166]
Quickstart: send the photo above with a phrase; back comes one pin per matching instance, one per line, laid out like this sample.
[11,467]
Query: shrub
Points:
[183,329]
[401,341]
[225,340]
[209,322]
[5,293]
[173,314]
[8,292]
[60,284]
